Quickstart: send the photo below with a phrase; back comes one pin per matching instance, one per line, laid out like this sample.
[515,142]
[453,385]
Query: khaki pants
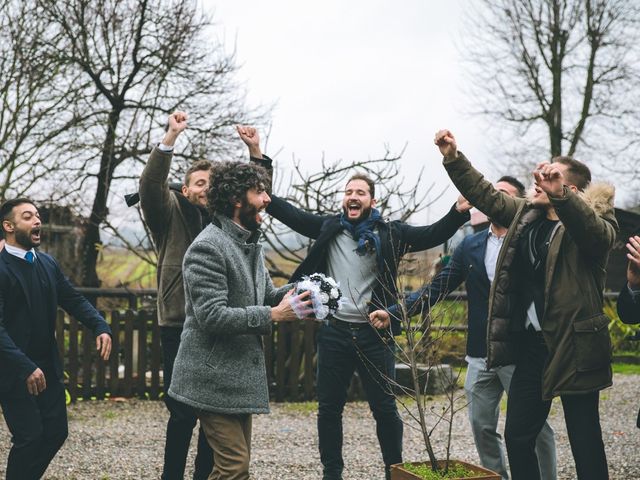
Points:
[230,439]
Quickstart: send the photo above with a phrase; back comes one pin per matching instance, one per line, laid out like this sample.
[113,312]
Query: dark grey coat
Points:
[220,364]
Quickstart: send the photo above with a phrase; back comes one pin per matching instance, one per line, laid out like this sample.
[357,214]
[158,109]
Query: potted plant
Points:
[417,349]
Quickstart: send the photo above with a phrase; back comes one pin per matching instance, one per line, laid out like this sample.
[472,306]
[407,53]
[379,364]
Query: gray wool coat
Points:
[228,292]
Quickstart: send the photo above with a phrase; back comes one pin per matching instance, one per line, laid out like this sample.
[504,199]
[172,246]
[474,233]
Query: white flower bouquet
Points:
[325,294]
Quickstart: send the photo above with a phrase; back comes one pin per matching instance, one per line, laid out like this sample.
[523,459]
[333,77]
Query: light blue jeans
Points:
[484,389]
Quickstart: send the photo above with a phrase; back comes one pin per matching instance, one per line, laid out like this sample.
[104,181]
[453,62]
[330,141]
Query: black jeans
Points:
[38,426]
[342,350]
[182,420]
[527,412]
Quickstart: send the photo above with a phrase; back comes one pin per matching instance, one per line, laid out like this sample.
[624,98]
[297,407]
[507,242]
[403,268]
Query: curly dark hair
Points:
[229,182]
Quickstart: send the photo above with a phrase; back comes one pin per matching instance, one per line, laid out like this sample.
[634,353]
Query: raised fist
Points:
[446,142]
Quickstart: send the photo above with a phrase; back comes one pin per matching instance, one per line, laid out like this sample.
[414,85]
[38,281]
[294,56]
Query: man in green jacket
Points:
[545,304]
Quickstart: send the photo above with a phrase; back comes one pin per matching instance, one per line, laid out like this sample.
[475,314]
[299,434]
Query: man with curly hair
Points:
[230,303]
[175,215]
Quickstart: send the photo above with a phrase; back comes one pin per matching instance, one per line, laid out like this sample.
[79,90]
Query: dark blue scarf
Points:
[362,232]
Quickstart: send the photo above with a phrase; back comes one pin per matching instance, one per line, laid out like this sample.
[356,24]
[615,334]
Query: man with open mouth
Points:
[230,302]
[31,379]
[360,250]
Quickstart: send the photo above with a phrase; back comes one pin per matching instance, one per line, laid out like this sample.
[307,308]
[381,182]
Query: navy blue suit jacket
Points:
[15,317]
[466,265]
[628,307]
[629,312]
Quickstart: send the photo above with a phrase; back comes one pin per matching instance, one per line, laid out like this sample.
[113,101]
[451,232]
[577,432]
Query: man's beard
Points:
[248,215]
[364,213]
[24,239]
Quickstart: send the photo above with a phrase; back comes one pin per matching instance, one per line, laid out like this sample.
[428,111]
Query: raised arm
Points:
[154,187]
[594,232]
[251,138]
[304,223]
[429,236]
[472,184]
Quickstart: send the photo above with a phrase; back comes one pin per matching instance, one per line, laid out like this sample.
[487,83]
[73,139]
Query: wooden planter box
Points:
[481,473]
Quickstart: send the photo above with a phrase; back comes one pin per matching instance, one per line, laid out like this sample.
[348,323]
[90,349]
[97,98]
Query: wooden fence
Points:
[135,366]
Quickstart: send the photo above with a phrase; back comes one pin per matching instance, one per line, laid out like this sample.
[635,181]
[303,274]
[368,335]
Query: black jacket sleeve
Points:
[78,306]
[304,223]
[429,236]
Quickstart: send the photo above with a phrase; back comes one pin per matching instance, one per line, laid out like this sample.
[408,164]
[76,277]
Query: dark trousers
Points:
[38,426]
[182,420]
[341,351]
[527,412]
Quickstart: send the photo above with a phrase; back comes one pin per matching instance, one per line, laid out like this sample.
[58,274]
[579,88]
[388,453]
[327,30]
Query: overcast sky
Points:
[349,77]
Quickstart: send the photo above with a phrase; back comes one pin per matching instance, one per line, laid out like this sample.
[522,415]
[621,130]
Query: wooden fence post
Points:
[294,361]
[142,355]
[310,329]
[129,318]
[72,385]
[114,361]
[155,356]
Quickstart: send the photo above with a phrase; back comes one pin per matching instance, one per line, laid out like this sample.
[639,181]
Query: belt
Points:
[352,325]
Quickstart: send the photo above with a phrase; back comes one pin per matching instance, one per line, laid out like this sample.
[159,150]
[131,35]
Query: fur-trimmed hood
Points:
[600,196]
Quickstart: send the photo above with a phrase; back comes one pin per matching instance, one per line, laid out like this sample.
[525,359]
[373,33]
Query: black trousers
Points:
[38,426]
[527,412]
[343,349]
[182,420]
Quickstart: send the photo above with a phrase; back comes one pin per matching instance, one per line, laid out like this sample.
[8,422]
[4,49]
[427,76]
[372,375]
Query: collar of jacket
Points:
[235,231]
[196,216]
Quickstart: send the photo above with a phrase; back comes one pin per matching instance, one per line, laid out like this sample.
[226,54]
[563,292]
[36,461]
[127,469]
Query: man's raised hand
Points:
[446,142]
[633,267]
[463,205]
[250,137]
[177,123]
[549,178]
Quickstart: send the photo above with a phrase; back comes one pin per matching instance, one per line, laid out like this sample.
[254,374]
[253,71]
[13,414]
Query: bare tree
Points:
[34,99]
[319,193]
[561,75]
[136,62]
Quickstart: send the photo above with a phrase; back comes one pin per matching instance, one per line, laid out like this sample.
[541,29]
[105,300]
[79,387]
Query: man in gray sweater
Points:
[230,303]
[175,217]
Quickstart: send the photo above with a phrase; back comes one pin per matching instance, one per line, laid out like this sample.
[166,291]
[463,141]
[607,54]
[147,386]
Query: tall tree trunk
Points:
[92,243]
[557,55]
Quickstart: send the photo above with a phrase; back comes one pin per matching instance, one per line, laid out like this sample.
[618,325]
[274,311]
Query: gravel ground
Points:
[124,440]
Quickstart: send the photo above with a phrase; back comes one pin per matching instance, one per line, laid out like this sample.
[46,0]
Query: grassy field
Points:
[118,267]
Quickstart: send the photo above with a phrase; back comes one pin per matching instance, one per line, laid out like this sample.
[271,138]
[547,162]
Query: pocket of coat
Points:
[592,343]
[210,362]
[171,279]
